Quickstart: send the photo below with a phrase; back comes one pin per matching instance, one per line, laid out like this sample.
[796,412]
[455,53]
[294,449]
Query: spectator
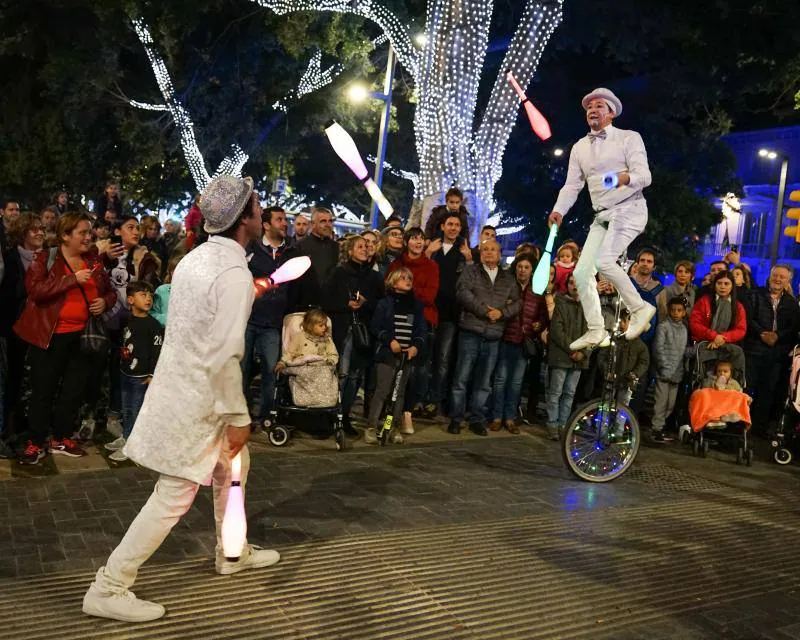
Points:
[49,217]
[633,362]
[27,240]
[669,346]
[535,365]
[263,334]
[161,296]
[425,274]
[453,205]
[142,337]
[488,232]
[300,228]
[65,285]
[648,287]
[530,248]
[112,217]
[567,325]
[172,235]
[391,248]
[451,253]
[742,278]
[373,240]
[61,202]
[133,261]
[150,237]
[350,294]
[110,200]
[513,357]
[488,297]
[566,259]
[101,230]
[193,223]
[715,267]
[681,287]
[320,246]
[719,319]
[772,326]
[399,328]
[9,214]
[393,221]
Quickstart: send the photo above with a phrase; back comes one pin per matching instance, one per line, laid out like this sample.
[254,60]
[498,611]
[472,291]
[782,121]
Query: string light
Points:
[313,79]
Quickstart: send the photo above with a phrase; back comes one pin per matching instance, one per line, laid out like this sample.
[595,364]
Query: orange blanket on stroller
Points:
[712,405]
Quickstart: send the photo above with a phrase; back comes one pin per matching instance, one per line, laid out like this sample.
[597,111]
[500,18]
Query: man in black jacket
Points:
[323,250]
[263,334]
[772,325]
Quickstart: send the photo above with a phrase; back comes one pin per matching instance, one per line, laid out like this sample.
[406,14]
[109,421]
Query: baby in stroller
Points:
[309,359]
[721,401]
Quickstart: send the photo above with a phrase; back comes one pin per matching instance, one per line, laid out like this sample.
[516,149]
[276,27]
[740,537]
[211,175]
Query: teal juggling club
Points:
[541,277]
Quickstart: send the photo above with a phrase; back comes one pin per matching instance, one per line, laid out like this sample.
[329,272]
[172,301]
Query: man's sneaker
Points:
[640,321]
[408,426]
[592,338]
[397,438]
[32,454]
[371,436]
[123,606]
[253,557]
[454,427]
[116,445]
[86,431]
[65,447]
[657,435]
[118,456]
[478,429]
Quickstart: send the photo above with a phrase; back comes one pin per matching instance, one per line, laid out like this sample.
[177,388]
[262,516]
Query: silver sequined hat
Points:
[223,201]
[614,103]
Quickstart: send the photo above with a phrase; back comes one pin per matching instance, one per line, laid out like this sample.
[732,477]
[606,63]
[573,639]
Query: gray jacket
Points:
[475,293]
[668,349]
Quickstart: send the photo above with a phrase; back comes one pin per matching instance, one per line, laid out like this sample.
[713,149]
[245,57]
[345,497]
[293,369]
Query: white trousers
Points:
[172,498]
[600,252]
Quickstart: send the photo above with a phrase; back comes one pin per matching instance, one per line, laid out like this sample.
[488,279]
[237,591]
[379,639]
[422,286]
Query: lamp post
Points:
[776,228]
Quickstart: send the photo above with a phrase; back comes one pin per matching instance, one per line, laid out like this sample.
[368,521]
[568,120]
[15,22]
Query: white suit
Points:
[620,213]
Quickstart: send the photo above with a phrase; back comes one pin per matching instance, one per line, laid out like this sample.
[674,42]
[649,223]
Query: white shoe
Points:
[254,557]
[640,321]
[397,438]
[118,456]
[116,445]
[123,606]
[592,338]
[408,425]
[371,436]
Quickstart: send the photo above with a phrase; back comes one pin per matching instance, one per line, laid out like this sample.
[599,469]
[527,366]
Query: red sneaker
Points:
[32,454]
[66,447]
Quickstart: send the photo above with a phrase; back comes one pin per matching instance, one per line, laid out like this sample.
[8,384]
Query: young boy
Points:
[567,325]
[668,349]
[142,337]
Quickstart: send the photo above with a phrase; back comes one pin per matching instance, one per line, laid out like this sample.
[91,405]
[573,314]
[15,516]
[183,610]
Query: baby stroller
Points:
[700,362]
[789,423]
[279,426]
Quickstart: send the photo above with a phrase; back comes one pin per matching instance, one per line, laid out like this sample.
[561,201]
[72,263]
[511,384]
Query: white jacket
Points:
[197,386]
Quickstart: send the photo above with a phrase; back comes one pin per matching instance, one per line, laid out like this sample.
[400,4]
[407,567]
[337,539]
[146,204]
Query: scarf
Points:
[27,256]
[721,322]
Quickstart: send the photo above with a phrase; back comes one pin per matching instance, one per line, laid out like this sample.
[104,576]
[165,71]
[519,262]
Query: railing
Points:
[786,251]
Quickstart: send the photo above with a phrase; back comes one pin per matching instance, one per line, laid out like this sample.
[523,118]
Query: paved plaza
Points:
[442,537]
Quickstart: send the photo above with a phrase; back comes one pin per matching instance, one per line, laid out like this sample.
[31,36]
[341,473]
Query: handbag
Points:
[533,347]
[94,337]
[361,336]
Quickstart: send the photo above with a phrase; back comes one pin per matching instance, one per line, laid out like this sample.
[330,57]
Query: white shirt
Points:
[492,272]
[590,160]
[446,247]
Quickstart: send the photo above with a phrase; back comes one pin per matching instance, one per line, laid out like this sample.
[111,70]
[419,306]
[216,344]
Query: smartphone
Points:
[116,239]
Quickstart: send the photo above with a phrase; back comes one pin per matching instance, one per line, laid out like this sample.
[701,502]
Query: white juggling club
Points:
[346,149]
[234,522]
[541,277]
[289,270]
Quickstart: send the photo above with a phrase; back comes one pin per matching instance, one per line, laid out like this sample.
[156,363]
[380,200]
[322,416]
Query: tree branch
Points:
[390,25]
[539,21]
[313,79]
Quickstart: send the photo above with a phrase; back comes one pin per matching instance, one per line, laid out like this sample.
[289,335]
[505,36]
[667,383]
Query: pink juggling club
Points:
[538,122]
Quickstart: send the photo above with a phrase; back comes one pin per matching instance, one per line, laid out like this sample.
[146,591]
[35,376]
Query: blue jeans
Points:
[560,394]
[479,354]
[442,352]
[132,391]
[353,363]
[508,376]
[265,343]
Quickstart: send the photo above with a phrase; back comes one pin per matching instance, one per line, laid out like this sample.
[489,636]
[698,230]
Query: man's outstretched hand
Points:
[554,218]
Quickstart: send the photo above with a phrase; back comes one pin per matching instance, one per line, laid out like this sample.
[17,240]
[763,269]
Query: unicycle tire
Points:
[604,457]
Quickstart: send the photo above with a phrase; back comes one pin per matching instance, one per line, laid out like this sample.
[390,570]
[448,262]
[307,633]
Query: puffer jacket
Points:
[669,347]
[568,324]
[533,309]
[476,293]
[633,358]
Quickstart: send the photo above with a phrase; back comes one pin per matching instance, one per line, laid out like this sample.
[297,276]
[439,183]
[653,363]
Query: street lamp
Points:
[357,93]
[558,152]
[769,154]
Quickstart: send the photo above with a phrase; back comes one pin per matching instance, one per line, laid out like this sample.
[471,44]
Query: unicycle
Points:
[385,429]
[602,437]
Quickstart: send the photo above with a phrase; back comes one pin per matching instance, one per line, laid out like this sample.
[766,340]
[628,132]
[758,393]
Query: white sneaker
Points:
[397,438]
[123,606]
[254,557]
[371,436]
[408,425]
[640,321]
[118,456]
[116,445]
[592,338]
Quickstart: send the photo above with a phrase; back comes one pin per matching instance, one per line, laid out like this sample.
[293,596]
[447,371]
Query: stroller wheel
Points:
[739,455]
[704,449]
[341,439]
[750,456]
[782,456]
[278,435]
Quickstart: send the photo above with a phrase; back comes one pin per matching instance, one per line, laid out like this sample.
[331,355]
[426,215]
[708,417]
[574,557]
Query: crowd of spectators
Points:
[480,349]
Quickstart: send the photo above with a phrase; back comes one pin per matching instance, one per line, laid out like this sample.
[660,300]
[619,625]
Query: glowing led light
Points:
[763,153]
[558,152]
[357,93]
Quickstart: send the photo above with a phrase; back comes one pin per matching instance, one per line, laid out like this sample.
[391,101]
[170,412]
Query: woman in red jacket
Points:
[426,288]
[55,315]
[512,359]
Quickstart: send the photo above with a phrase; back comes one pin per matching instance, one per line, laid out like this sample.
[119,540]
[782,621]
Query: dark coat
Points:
[341,288]
[12,291]
[533,309]
[450,268]
[268,311]
[438,216]
[476,293]
[633,358]
[760,319]
[568,324]
[382,325]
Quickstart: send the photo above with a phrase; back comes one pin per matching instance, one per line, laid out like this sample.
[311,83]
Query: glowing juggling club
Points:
[346,149]
[234,523]
[538,122]
[541,277]
[289,270]
[610,181]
